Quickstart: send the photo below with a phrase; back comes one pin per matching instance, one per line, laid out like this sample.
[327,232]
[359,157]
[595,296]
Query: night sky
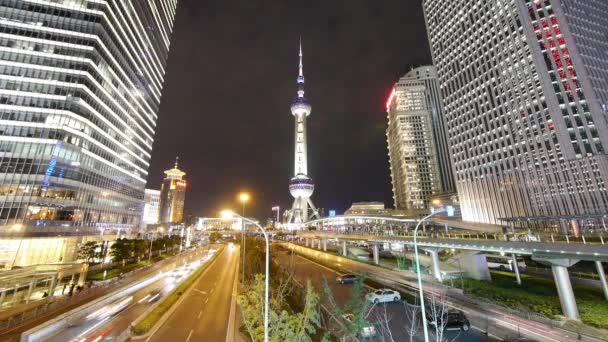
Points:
[230,80]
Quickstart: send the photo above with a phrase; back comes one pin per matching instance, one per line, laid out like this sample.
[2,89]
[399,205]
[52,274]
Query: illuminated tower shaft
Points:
[301,186]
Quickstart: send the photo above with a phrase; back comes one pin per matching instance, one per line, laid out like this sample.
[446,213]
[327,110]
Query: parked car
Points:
[367,331]
[383,296]
[347,279]
[453,320]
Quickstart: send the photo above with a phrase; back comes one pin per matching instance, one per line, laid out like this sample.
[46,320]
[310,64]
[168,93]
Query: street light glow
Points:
[244,197]
[227,214]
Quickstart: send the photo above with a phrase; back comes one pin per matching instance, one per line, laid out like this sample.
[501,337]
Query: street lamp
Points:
[230,214]
[152,241]
[421,291]
[243,198]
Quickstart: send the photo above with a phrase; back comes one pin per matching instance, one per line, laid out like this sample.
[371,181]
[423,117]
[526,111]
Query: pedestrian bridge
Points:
[398,223]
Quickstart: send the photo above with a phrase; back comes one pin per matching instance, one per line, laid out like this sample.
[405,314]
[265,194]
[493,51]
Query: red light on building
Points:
[390,99]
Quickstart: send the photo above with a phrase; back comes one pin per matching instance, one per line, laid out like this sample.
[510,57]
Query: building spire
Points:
[301,74]
[176,161]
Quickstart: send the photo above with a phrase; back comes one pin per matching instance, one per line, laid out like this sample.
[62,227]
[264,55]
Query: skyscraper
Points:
[524,85]
[301,186]
[172,196]
[80,88]
[412,139]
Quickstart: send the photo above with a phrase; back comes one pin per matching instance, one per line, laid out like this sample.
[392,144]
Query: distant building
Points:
[418,150]
[367,209]
[172,196]
[444,200]
[151,211]
[525,92]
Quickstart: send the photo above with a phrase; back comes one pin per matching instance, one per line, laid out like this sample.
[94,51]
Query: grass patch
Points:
[116,271]
[150,320]
[539,295]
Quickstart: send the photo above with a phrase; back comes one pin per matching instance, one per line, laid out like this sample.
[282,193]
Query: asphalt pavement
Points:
[395,317]
[204,313]
[116,317]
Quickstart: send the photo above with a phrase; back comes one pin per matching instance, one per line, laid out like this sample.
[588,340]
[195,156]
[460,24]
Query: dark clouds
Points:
[230,81]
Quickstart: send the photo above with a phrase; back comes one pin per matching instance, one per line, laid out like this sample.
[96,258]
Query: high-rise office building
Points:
[151,213]
[172,196]
[415,136]
[524,85]
[80,88]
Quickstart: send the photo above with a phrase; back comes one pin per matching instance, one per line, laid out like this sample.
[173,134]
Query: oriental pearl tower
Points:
[301,186]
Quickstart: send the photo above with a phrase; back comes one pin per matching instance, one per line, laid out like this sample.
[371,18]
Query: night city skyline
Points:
[225,106]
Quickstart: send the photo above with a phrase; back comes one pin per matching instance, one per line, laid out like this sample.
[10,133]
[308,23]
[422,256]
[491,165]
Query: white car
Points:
[383,296]
[367,331]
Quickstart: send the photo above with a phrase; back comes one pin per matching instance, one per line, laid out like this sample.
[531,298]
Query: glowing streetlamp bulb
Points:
[244,197]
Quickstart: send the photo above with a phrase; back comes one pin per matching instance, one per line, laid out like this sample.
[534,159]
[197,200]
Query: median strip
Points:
[156,315]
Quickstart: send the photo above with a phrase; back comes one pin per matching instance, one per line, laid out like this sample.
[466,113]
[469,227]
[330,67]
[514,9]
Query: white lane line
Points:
[206,300]
[211,290]
[199,291]
[199,314]
[190,335]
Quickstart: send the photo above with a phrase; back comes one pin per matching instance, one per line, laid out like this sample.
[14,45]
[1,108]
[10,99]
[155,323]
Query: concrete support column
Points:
[435,259]
[29,291]
[515,267]
[2,296]
[82,277]
[564,226]
[52,286]
[376,251]
[307,242]
[344,249]
[325,245]
[602,274]
[512,226]
[564,290]
[447,231]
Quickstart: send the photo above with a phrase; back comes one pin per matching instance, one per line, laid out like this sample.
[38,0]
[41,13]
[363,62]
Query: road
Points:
[482,316]
[395,312]
[115,318]
[204,313]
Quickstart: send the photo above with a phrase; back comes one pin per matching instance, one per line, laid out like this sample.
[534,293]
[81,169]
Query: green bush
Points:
[539,295]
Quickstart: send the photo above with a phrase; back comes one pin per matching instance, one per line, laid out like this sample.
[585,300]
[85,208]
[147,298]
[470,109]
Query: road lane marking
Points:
[212,290]
[199,291]
[199,314]
[190,335]
[206,300]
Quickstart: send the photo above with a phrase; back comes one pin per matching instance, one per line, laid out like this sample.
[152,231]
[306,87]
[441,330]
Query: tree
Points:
[121,250]
[215,237]
[140,247]
[88,251]
[356,305]
[284,325]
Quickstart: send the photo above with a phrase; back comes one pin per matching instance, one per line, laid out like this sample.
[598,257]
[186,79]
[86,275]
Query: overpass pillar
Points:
[563,285]
[602,274]
[564,226]
[376,252]
[512,226]
[515,267]
[30,289]
[82,277]
[435,259]
[344,249]
[52,286]
[307,242]
[447,231]
[325,245]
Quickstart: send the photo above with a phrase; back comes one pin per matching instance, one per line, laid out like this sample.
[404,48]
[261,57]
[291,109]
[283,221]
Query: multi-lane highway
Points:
[395,313]
[204,313]
[111,320]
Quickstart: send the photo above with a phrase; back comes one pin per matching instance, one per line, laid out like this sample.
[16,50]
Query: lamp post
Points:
[228,214]
[421,291]
[243,198]
[152,241]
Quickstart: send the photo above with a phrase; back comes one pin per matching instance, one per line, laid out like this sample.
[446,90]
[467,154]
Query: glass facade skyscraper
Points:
[80,88]
[524,90]
[419,161]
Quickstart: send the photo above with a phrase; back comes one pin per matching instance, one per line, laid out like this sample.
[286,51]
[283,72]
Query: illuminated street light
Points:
[243,198]
[231,214]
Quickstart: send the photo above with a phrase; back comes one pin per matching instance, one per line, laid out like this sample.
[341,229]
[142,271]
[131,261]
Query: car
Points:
[366,331]
[383,296]
[453,320]
[347,279]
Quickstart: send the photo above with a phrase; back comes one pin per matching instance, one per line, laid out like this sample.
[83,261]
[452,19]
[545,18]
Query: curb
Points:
[232,317]
[173,307]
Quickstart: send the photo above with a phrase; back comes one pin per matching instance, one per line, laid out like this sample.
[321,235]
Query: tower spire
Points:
[301,74]
[176,161]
